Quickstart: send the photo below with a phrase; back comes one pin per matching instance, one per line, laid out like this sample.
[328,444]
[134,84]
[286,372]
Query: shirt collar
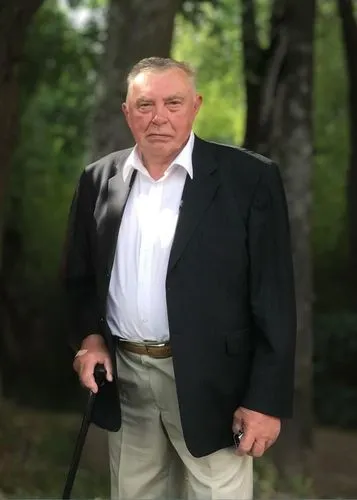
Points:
[183,159]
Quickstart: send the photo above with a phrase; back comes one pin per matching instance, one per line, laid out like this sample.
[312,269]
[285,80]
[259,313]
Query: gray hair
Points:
[160,64]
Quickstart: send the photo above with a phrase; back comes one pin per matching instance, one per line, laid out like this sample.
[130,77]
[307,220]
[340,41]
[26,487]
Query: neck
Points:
[157,165]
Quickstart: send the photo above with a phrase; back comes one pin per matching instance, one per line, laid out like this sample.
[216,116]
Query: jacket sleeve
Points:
[78,272]
[272,299]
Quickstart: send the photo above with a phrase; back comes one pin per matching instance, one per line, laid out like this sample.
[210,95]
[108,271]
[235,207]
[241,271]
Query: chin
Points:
[161,145]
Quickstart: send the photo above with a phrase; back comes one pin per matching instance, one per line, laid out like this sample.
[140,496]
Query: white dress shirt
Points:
[136,305]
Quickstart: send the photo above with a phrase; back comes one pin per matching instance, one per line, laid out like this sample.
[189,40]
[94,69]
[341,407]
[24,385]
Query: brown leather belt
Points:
[154,350]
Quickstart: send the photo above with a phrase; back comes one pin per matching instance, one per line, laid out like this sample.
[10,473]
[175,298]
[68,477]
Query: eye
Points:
[174,104]
[144,106]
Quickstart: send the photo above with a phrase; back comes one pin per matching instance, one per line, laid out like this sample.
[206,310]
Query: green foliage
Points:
[194,10]
[57,96]
[36,448]
[58,80]
[214,51]
[269,485]
[265,479]
[262,12]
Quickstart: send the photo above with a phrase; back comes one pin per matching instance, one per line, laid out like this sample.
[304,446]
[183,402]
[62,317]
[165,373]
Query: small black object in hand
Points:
[237,437]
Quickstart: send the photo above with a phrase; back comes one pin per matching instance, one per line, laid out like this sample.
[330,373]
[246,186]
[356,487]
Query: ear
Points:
[198,102]
[124,108]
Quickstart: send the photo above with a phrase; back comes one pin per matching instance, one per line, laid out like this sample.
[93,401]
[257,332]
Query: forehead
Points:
[156,84]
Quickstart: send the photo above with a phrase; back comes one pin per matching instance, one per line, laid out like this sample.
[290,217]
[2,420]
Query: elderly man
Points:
[178,272]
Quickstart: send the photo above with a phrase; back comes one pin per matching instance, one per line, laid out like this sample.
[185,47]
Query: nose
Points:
[159,115]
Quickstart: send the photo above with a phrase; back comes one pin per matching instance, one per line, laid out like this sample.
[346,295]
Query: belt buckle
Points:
[150,343]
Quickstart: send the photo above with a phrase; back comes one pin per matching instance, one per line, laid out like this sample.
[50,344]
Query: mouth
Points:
[159,136]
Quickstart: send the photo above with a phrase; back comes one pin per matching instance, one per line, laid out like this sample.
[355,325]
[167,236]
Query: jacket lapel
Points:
[197,195]
[117,195]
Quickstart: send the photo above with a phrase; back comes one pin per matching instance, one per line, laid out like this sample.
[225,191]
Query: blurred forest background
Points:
[278,77]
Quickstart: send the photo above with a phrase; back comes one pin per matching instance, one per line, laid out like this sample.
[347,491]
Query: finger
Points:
[269,443]
[237,423]
[91,384]
[245,444]
[87,378]
[77,365]
[258,449]
[108,369]
[237,427]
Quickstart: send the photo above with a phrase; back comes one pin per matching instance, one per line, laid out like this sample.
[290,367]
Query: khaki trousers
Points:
[148,456]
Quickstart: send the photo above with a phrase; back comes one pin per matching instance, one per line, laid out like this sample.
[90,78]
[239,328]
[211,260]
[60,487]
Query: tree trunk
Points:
[15,16]
[282,117]
[254,58]
[136,29]
[349,30]
[262,68]
[273,68]
[291,145]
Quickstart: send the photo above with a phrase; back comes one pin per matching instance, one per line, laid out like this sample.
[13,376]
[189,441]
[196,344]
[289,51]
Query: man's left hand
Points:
[260,431]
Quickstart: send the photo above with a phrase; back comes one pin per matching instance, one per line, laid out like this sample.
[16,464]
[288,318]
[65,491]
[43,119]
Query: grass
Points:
[35,453]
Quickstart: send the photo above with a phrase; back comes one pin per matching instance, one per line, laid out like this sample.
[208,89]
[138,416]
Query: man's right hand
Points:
[93,351]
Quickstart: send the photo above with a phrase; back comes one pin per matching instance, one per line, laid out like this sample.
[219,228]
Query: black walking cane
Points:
[99,375]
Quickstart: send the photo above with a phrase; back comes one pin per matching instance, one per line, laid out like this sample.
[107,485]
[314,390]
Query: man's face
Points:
[160,110]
